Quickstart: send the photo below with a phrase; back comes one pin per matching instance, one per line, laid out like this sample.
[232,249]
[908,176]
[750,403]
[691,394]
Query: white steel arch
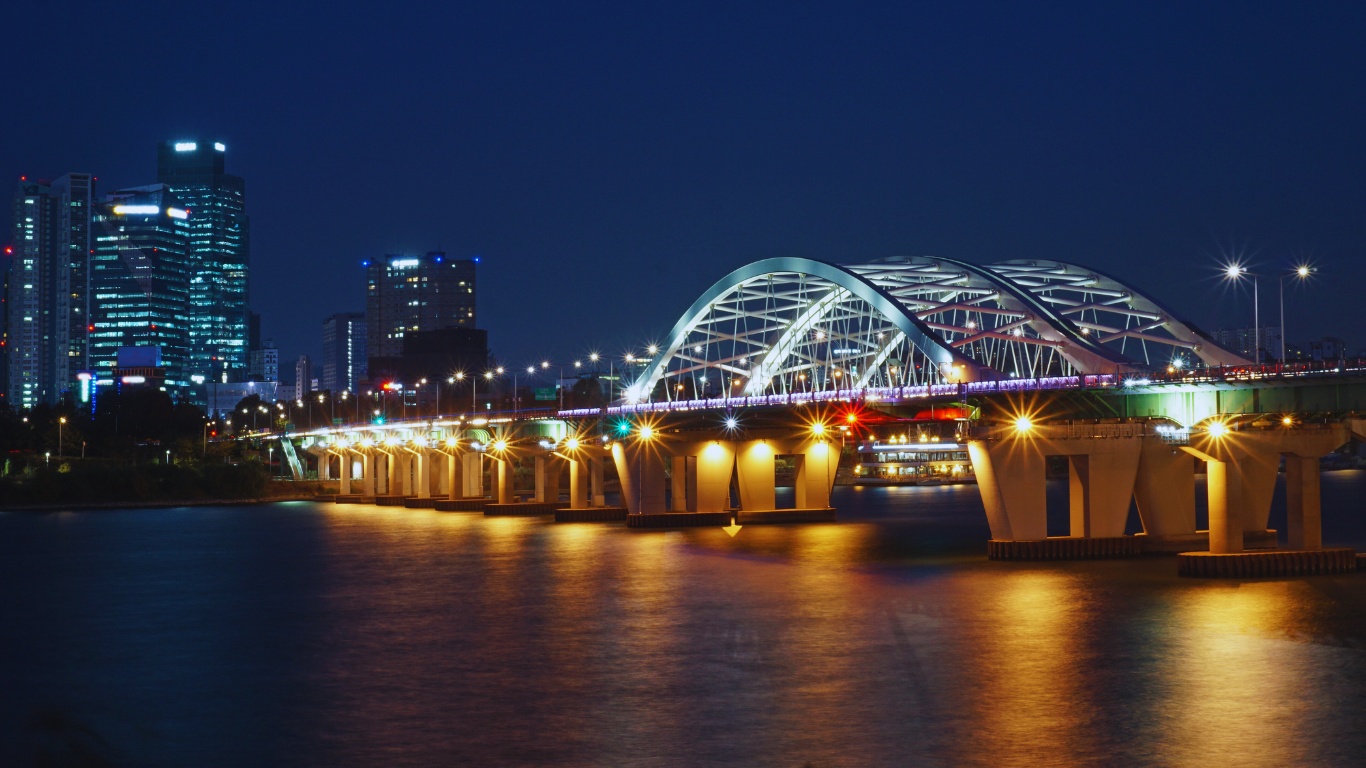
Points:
[791,325]
[1116,315]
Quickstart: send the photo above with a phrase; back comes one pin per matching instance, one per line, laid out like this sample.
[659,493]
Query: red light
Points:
[851,418]
[90,327]
[9,249]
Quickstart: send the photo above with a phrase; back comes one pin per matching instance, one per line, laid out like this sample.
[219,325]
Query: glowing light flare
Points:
[501,445]
[1216,429]
[646,432]
[452,442]
[818,429]
[1023,424]
[572,443]
[1287,421]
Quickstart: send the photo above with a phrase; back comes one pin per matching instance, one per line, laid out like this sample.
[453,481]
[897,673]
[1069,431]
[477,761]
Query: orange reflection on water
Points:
[1242,691]
[1022,683]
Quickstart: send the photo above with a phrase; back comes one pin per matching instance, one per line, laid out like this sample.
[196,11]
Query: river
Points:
[302,634]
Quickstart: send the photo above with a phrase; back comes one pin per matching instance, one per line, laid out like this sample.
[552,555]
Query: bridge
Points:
[1037,359]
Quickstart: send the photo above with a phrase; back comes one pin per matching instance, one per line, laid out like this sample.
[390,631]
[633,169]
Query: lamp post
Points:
[1237,272]
[61,422]
[204,451]
[1301,273]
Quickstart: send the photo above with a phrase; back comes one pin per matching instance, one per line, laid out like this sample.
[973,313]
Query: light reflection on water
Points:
[355,635]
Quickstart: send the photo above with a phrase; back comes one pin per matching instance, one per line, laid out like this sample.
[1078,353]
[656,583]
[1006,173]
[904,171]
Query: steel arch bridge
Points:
[789,325]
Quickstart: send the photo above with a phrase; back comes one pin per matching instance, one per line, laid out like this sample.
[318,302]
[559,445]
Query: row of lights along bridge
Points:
[380,408]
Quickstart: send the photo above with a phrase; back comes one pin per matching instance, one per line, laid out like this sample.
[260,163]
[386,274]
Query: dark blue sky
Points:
[609,162]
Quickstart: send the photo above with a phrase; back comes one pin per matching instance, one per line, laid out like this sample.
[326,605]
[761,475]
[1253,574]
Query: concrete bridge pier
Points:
[548,471]
[344,472]
[640,468]
[472,470]
[502,480]
[1241,468]
[1103,465]
[578,483]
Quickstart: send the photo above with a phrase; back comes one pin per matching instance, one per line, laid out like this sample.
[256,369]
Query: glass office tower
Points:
[140,281]
[404,294]
[219,254]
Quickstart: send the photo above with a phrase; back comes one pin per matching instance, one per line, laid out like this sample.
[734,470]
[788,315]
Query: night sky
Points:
[609,162]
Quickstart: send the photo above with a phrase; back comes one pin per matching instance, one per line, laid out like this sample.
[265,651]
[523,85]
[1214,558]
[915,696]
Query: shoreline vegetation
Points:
[95,485]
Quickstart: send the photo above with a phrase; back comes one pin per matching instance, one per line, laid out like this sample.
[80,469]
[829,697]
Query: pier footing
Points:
[390,501]
[416,503]
[1065,548]
[591,515]
[353,498]
[461,505]
[1268,563]
[679,520]
[523,508]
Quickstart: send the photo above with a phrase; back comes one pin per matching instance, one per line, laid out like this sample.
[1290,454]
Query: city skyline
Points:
[586,173]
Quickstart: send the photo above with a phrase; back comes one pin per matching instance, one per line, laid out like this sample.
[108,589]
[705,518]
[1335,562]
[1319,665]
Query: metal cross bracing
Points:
[790,325]
[1116,315]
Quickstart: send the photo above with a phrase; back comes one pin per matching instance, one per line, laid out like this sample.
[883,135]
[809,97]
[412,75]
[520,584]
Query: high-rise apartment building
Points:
[344,352]
[48,299]
[303,377]
[404,294]
[28,306]
[219,254]
[140,281]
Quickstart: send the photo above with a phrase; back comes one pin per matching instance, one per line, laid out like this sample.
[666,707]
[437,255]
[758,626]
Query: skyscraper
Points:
[74,196]
[48,288]
[344,352]
[140,281]
[415,293]
[29,304]
[219,254]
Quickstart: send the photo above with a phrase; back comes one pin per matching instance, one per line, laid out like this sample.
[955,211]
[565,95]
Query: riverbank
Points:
[164,504]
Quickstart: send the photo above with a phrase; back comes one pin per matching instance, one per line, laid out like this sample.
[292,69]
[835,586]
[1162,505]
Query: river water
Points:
[301,634]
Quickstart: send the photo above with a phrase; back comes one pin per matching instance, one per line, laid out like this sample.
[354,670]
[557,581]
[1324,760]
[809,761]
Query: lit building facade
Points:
[48,289]
[219,255]
[405,293]
[344,352]
[140,282]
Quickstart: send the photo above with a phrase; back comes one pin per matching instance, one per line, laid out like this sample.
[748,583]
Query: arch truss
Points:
[799,325]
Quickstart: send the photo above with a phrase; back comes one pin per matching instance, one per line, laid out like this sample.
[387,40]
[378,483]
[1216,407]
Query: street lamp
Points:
[61,422]
[1301,273]
[1235,272]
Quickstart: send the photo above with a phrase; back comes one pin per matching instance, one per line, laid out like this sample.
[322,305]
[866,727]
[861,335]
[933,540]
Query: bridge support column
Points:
[502,481]
[578,484]
[678,485]
[595,465]
[1011,481]
[473,470]
[401,470]
[640,469]
[548,470]
[1165,490]
[815,477]
[325,466]
[1101,484]
[424,473]
[367,473]
[344,473]
[1304,523]
[756,475]
[453,478]
[1225,514]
